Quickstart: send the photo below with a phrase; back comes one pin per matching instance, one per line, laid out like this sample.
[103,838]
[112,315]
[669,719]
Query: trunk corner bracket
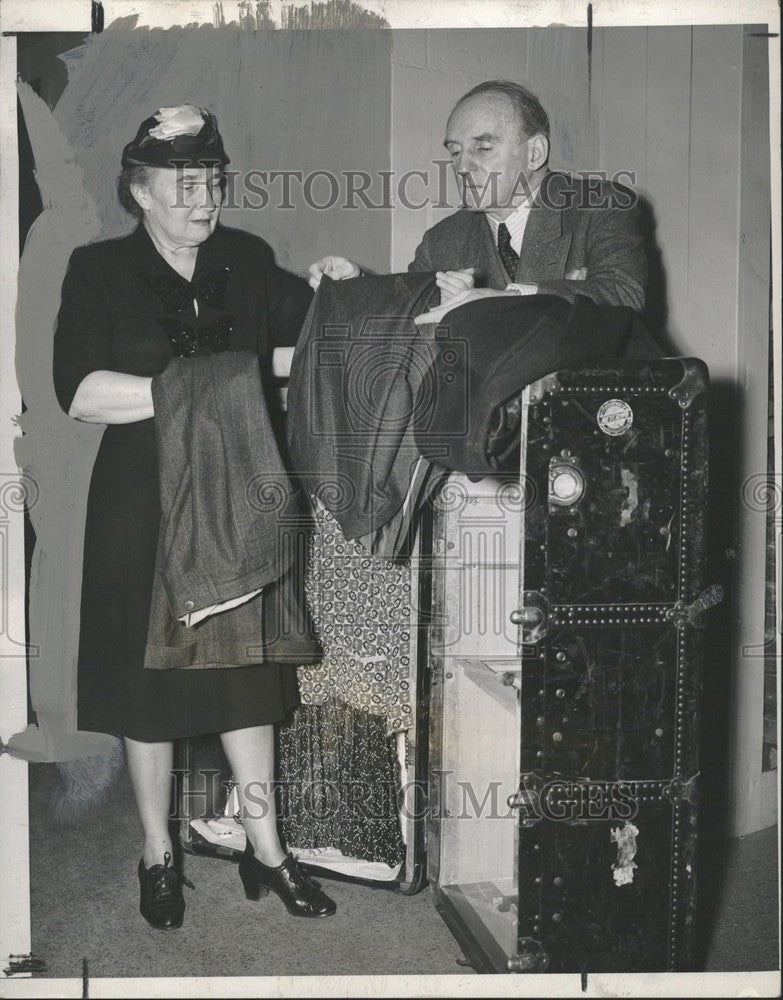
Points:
[531,957]
[545,386]
[679,790]
[683,614]
[691,385]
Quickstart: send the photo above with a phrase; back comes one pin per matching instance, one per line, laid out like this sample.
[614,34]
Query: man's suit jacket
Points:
[574,225]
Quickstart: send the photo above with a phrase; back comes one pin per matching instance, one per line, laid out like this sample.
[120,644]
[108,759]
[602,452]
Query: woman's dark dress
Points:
[117,315]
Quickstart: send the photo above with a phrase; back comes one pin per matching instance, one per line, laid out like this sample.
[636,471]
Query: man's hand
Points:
[460,299]
[452,283]
[337,268]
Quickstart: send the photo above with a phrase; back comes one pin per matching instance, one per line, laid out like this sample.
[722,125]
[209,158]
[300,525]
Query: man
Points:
[523,229]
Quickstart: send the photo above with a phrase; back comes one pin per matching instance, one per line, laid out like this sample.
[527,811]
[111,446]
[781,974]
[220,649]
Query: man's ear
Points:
[538,151]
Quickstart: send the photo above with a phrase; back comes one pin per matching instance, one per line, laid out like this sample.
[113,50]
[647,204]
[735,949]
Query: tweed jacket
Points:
[228,510]
[502,344]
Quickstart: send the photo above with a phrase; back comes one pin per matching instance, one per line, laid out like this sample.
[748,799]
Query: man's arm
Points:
[422,260]
[616,263]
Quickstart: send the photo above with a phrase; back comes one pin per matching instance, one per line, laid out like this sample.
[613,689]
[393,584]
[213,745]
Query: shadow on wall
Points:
[656,312]
[719,641]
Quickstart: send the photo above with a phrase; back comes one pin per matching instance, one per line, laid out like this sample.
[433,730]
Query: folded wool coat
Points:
[499,345]
[231,522]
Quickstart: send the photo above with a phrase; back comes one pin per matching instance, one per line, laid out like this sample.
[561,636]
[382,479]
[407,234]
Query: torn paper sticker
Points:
[625,838]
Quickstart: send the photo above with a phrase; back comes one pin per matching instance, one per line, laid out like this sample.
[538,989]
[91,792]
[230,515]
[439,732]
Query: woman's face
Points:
[181,206]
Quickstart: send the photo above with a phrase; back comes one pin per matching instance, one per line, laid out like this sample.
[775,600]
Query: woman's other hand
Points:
[338,268]
[453,283]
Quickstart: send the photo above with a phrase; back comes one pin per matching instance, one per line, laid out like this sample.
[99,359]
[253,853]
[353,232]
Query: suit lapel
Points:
[545,245]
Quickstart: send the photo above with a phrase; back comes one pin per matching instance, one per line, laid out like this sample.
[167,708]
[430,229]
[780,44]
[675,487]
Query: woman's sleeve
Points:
[82,337]
[289,299]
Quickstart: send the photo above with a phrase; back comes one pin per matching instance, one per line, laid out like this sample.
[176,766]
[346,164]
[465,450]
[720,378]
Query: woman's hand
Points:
[338,269]
[460,299]
[105,397]
[453,283]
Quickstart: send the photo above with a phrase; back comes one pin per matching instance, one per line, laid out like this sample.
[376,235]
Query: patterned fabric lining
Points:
[362,614]
[340,783]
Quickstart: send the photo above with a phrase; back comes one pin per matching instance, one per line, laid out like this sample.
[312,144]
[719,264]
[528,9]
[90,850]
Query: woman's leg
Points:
[149,765]
[251,754]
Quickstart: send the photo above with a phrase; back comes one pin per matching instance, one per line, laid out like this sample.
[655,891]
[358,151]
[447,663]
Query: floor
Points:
[85,905]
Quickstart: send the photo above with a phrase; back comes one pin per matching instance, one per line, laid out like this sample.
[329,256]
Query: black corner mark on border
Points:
[589,54]
[85,979]
[96,17]
[22,964]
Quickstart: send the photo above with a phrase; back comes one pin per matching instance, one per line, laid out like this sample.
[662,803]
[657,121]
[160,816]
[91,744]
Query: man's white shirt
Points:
[515,223]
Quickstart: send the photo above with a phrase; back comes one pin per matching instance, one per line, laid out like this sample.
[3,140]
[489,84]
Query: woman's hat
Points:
[183,136]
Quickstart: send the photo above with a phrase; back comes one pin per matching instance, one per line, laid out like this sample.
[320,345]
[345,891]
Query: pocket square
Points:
[578,274]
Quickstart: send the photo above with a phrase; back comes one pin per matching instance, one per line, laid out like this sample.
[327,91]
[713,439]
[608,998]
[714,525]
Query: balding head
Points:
[533,120]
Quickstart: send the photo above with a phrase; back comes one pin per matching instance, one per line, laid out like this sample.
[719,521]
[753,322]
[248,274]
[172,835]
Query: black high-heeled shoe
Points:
[301,895]
[161,903]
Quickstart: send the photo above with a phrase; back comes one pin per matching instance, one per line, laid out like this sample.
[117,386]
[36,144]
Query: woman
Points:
[178,285]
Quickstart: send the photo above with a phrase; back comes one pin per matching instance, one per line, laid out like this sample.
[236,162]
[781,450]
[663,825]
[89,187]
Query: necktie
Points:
[508,255]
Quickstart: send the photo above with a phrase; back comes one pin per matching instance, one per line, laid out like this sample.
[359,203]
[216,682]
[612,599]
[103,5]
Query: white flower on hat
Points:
[181,120]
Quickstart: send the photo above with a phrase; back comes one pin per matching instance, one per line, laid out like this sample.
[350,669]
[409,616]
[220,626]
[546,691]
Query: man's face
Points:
[489,153]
